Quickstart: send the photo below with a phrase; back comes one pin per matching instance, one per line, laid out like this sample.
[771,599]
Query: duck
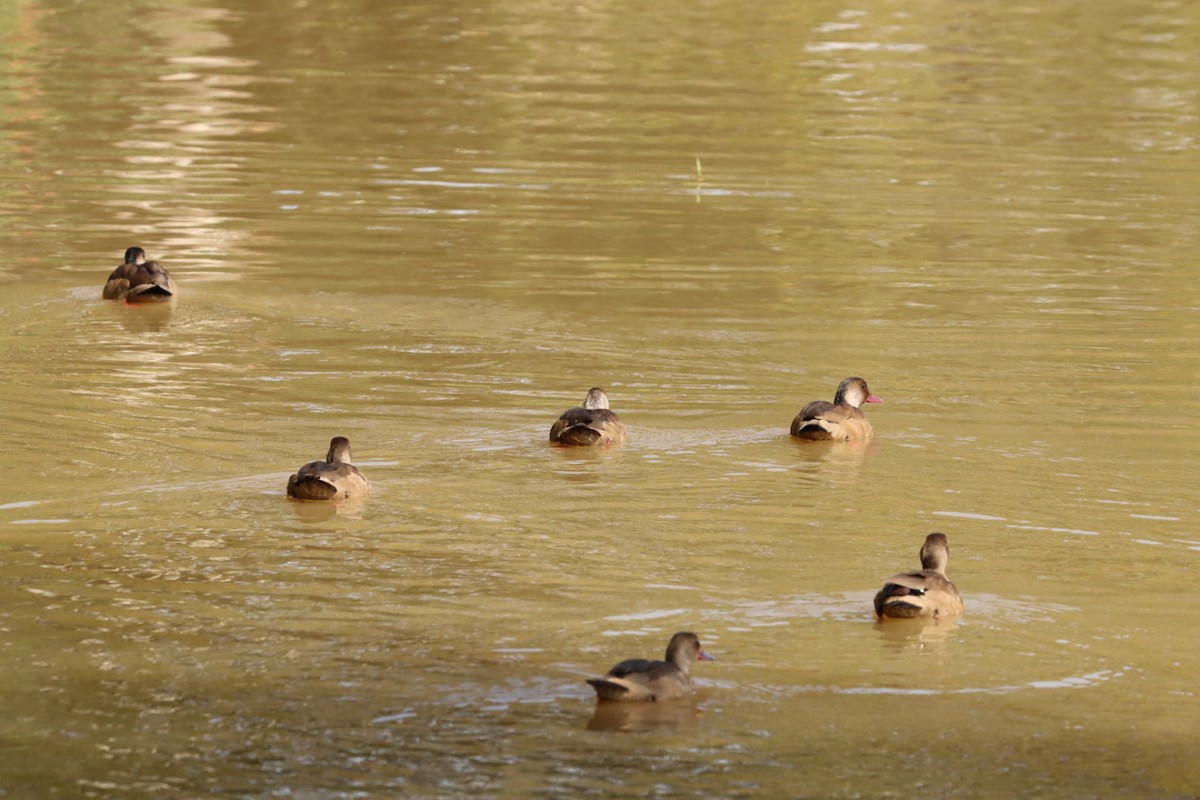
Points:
[137,280]
[640,680]
[928,593]
[589,424]
[840,421]
[335,478]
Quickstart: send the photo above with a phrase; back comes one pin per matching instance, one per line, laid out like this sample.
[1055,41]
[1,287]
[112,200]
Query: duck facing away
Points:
[139,281]
[644,680]
[589,424]
[842,420]
[928,593]
[334,478]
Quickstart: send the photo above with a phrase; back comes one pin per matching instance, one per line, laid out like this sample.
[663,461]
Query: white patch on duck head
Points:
[854,392]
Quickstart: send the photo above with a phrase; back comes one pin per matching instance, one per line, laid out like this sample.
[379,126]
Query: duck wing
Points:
[139,282]
[926,593]
[642,667]
[587,426]
[119,281]
[320,480]
[821,419]
[151,283]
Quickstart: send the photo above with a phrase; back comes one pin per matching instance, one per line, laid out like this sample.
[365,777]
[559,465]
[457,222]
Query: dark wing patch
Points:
[633,665]
[309,487]
[582,426]
[319,480]
[815,409]
[569,418]
[118,282]
[141,280]
[607,690]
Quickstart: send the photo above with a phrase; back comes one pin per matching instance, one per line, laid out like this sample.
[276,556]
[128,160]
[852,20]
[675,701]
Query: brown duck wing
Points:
[309,487]
[572,416]
[840,413]
[150,282]
[320,480]
[610,690]
[644,667]
[309,484]
[119,281]
[810,423]
[909,581]
[824,420]
[135,282]
[586,426]
[816,408]
[916,594]
[900,596]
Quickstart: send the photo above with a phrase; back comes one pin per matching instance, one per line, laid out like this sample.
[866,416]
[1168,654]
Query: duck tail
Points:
[810,429]
[148,292]
[579,435]
[310,488]
[899,602]
[896,608]
[609,690]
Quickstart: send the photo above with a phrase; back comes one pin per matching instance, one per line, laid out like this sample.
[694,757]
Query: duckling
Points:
[332,479]
[589,424]
[840,420]
[139,281]
[644,680]
[928,593]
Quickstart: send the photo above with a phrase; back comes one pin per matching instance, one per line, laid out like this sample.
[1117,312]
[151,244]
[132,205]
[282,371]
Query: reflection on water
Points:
[837,463]
[921,635]
[314,511]
[142,318]
[641,717]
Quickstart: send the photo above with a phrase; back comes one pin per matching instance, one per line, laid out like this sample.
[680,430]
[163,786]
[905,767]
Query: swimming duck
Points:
[928,593]
[643,680]
[139,281]
[840,420]
[591,423]
[332,479]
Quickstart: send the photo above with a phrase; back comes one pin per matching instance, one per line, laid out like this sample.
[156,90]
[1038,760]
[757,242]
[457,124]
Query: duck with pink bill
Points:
[839,421]
[644,680]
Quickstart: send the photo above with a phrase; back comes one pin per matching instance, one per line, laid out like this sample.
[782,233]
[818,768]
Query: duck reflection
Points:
[922,634]
[142,318]
[840,462]
[583,464]
[635,717]
[313,513]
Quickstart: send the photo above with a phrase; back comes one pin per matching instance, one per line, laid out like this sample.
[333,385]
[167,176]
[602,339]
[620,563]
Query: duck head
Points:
[684,648]
[596,399]
[339,451]
[854,392]
[935,553]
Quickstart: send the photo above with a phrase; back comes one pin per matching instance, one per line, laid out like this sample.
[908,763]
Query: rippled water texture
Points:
[431,228]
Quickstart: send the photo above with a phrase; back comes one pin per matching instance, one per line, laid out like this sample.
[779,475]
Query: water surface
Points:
[433,228]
